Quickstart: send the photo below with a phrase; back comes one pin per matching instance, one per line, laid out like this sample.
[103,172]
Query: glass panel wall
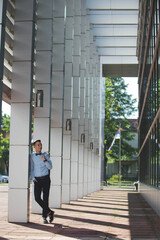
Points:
[149,127]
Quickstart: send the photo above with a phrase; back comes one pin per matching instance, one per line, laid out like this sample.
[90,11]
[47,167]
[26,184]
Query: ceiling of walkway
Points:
[115,25]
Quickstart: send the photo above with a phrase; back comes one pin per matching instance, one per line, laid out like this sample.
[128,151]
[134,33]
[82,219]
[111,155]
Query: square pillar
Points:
[98,185]
[91,133]
[95,123]
[82,101]
[68,95]
[56,149]
[21,111]
[3,4]
[43,79]
[87,97]
[76,100]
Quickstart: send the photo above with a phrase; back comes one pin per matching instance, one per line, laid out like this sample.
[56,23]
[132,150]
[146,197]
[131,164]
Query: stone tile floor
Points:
[107,214]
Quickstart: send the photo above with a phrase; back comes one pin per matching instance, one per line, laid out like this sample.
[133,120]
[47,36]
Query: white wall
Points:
[151,195]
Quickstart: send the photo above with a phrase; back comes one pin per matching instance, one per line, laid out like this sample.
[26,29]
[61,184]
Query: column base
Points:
[74,191]
[35,208]
[55,196]
[65,194]
[18,205]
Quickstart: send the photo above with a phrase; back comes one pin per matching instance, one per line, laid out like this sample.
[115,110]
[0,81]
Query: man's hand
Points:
[34,180]
[43,158]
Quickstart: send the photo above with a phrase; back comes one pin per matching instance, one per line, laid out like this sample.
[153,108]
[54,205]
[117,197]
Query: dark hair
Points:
[36,142]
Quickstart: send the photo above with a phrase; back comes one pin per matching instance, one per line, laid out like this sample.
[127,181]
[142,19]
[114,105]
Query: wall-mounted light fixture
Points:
[82,138]
[39,98]
[97,151]
[68,125]
[91,145]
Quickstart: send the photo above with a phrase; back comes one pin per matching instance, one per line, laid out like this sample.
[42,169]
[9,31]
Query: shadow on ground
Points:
[67,231]
[144,222]
[109,215]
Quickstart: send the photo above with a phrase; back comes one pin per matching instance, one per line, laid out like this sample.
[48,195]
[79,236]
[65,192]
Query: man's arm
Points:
[32,169]
[47,161]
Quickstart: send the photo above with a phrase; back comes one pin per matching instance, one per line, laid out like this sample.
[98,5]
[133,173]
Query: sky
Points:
[6,108]
[132,89]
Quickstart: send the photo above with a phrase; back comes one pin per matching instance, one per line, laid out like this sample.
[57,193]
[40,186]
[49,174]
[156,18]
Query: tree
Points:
[4,148]
[119,105]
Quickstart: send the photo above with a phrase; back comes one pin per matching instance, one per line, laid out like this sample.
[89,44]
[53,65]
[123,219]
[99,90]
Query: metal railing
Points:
[115,184]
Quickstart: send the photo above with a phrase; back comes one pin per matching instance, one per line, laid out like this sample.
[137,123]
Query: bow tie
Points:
[38,154]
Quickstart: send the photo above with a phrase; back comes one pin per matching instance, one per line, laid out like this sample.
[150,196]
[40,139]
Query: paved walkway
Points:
[106,214]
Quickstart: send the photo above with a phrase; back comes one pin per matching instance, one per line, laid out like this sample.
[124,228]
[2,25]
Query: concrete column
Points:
[21,99]
[90,124]
[95,119]
[56,153]
[76,100]
[101,121]
[86,127]
[99,124]
[98,163]
[43,77]
[82,101]
[68,94]
[2,37]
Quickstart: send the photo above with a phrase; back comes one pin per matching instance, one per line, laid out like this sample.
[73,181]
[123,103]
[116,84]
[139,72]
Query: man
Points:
[40,169]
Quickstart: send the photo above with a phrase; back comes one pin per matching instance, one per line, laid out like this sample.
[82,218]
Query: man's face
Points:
[38,147]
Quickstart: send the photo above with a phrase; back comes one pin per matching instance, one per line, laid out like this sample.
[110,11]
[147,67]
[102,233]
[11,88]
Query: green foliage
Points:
[5,123]
[4,148]
[115,178]
[119,105]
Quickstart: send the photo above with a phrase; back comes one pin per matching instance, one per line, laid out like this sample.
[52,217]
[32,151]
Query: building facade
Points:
[52,70]
[54,54]
[148,50]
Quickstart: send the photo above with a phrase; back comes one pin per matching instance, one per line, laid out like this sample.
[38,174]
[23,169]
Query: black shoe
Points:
[51,216]
[45,220]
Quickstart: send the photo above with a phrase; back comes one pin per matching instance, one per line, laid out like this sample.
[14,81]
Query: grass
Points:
[123,183]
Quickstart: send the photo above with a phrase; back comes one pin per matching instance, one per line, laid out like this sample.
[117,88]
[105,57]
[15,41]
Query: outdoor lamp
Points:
[39,98]
[97,151]
[91,145]
[68,124]
[82,138]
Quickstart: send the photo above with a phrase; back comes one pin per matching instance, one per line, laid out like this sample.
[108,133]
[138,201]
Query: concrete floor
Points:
[107,214]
